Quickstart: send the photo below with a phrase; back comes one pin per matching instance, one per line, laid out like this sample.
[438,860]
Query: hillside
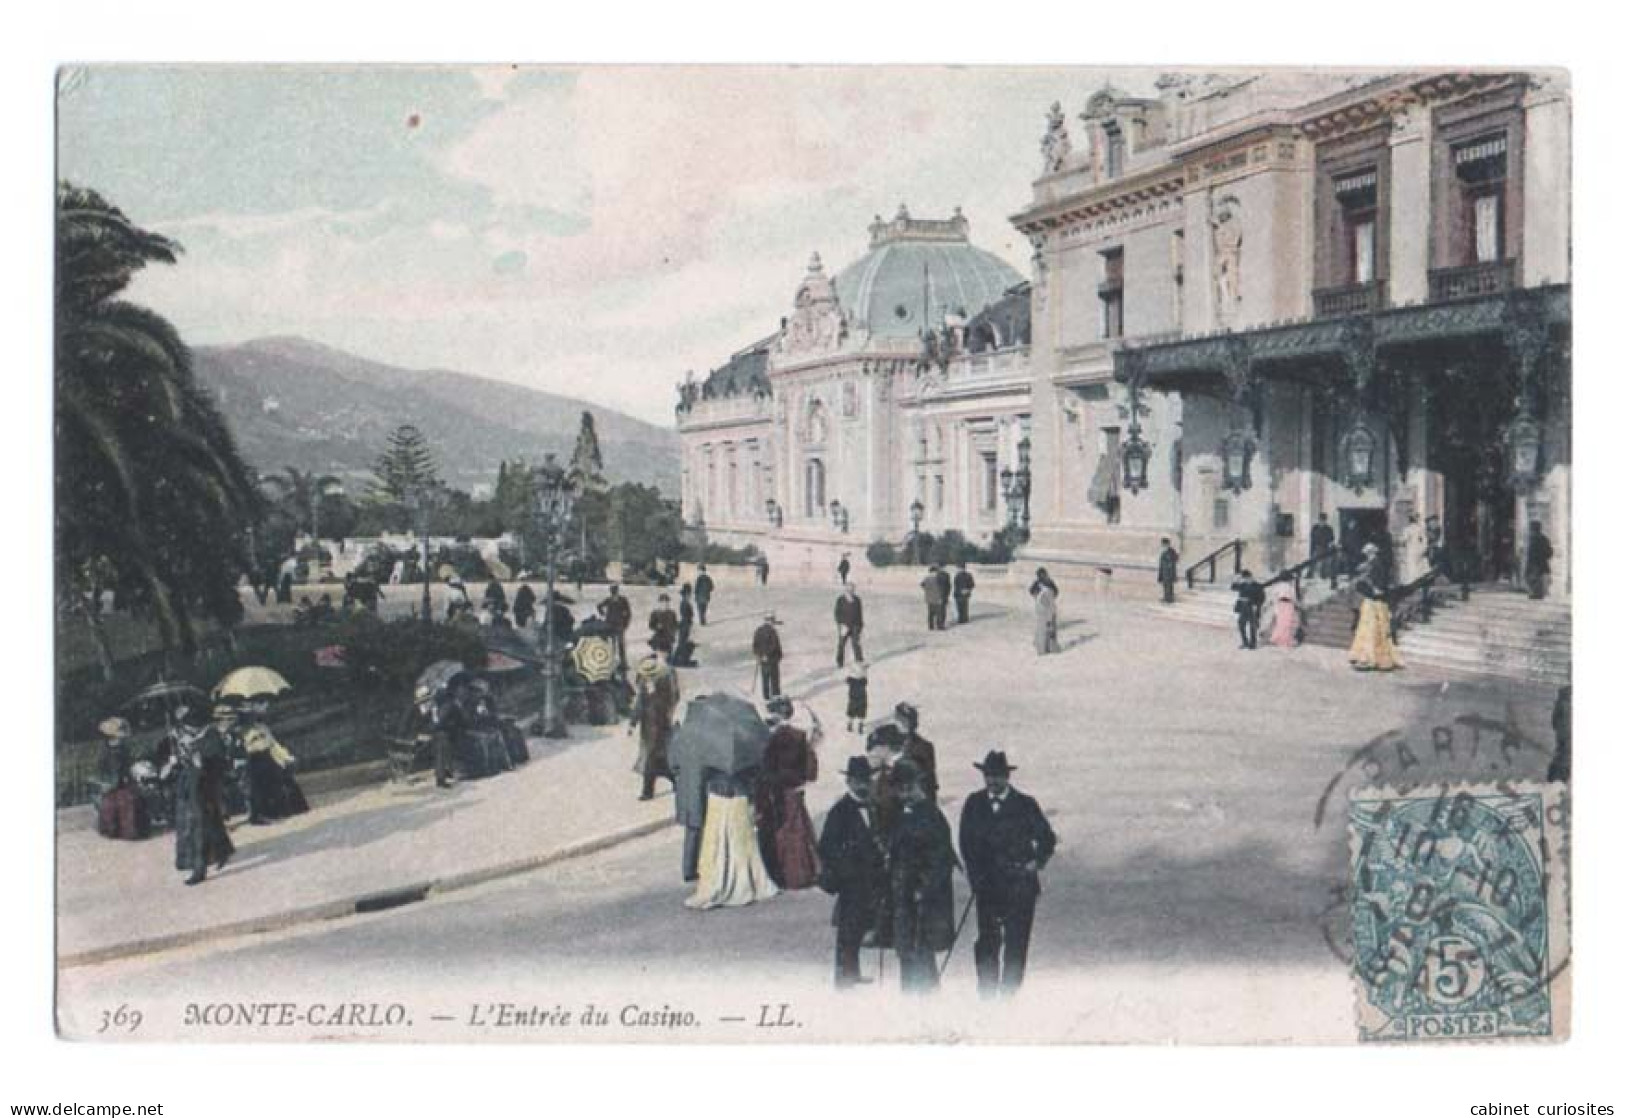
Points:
[292,402]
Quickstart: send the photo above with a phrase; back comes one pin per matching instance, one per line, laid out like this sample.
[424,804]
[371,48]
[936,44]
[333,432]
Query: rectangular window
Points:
[1487,227]
[1356,194]
[1111,294]
[938,491]
[990,482]
[1221,513]
[1481,171]
[1365,250]
[1116,151]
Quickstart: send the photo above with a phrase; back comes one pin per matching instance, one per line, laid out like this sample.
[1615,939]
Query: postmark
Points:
[1459,912]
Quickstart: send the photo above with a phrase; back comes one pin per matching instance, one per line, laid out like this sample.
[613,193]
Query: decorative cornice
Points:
[1360,336]
[1374,107]
[1117,195]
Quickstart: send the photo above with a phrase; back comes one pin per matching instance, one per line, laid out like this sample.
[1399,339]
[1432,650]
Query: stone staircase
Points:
[1213,604]
[1497,632]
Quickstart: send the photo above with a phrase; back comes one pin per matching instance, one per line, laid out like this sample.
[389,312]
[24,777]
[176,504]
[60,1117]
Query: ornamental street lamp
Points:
[1523,439]
[554,502]
[1360,454]
[1136,454]
[1018,487]
[840,515]
[916,513]
[417,504]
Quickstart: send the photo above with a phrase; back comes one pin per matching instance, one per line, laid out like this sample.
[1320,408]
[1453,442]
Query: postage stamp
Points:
[1460,912]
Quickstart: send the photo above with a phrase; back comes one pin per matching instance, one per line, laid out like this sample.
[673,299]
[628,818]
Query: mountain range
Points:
[293,402]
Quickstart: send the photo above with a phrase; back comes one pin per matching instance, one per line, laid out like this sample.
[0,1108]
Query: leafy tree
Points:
[405,467]
[587,462]
[153,500]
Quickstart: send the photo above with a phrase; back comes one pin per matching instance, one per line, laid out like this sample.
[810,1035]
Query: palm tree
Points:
[151,493]
[299,493]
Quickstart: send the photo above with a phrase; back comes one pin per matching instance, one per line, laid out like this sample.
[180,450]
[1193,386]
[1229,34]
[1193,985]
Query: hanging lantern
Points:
[1136,458]
[1238,458]
[1523,439]
[1360,458]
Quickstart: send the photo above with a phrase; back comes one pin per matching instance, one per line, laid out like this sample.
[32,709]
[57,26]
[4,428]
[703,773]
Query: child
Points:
[857,696]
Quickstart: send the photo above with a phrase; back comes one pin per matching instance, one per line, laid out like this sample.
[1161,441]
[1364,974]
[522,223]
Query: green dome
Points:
[912,261]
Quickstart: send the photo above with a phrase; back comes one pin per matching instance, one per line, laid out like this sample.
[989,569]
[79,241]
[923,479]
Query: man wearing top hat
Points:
[852,867]
[1005,841]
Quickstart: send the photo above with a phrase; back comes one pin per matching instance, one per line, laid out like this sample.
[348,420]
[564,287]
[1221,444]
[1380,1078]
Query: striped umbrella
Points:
[594,658]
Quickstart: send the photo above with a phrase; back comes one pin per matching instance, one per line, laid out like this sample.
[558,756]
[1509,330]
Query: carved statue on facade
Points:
[1056,145]
[817,324]
[1227,237]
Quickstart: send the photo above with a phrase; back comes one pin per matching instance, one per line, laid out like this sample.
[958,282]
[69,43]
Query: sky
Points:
[593,231]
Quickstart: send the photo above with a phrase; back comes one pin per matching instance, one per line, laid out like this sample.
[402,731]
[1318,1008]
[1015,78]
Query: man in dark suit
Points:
[617,614]
[1249,607]
[848,624]
[765,646]
[1323,542]
[703,588]
[852,869]
[1167,569]
[919,750]
[964,583]
[1005,841]
[945,589]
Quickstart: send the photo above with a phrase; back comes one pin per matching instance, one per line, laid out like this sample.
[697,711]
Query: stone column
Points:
[1410,182]
[1546,174]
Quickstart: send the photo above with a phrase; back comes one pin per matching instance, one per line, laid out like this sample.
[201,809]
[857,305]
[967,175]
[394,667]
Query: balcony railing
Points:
[1471,281]
[1354,298]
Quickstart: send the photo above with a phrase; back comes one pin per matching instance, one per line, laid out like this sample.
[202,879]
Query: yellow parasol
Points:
[251,683]
[594,658]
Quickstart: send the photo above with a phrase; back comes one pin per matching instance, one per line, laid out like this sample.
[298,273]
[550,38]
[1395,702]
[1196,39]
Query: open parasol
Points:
[595,658]
[436,676]
[155,706]
[721,733]
[251,683]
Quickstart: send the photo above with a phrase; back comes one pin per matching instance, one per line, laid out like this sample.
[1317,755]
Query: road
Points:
[1192,896]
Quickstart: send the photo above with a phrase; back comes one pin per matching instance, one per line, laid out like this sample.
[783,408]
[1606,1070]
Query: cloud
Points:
[599,231]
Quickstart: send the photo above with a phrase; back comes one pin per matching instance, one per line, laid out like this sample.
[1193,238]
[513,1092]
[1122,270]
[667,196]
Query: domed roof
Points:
[912,263]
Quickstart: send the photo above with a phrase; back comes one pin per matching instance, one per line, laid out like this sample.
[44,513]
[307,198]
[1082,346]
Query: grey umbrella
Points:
[720,733]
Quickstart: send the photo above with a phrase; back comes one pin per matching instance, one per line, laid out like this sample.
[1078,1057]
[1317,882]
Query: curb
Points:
[363,903]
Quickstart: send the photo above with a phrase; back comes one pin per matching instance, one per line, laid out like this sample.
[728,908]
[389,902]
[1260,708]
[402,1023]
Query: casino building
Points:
[1255,299]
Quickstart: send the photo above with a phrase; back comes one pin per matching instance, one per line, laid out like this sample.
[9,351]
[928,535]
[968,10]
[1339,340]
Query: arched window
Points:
[815,487]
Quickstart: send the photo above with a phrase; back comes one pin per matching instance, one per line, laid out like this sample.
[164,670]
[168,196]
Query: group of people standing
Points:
[888,856]
[940,588]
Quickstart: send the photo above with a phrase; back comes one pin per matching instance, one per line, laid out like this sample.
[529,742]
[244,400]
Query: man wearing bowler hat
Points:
[852,867]
[1005,841]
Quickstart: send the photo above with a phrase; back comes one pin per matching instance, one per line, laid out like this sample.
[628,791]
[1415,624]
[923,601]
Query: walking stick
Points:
[963,916]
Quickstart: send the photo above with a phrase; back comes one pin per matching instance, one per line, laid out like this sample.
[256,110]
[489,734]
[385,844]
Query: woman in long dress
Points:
[273,793]
[1373,648]
[1046,639]
[1287,625]
[789,764]
[732,872]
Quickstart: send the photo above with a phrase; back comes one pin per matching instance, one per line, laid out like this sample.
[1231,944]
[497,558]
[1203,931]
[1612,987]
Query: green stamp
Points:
[1459,912]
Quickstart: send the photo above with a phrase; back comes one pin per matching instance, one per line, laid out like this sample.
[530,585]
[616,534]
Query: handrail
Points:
[1420,609]
[1296,571]
[1212,563]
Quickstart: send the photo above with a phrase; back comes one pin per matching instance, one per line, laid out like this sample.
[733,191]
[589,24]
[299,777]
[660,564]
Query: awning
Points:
[1353,183]
[1483,149]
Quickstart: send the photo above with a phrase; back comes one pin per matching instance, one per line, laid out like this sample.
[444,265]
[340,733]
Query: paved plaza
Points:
[1196,789]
